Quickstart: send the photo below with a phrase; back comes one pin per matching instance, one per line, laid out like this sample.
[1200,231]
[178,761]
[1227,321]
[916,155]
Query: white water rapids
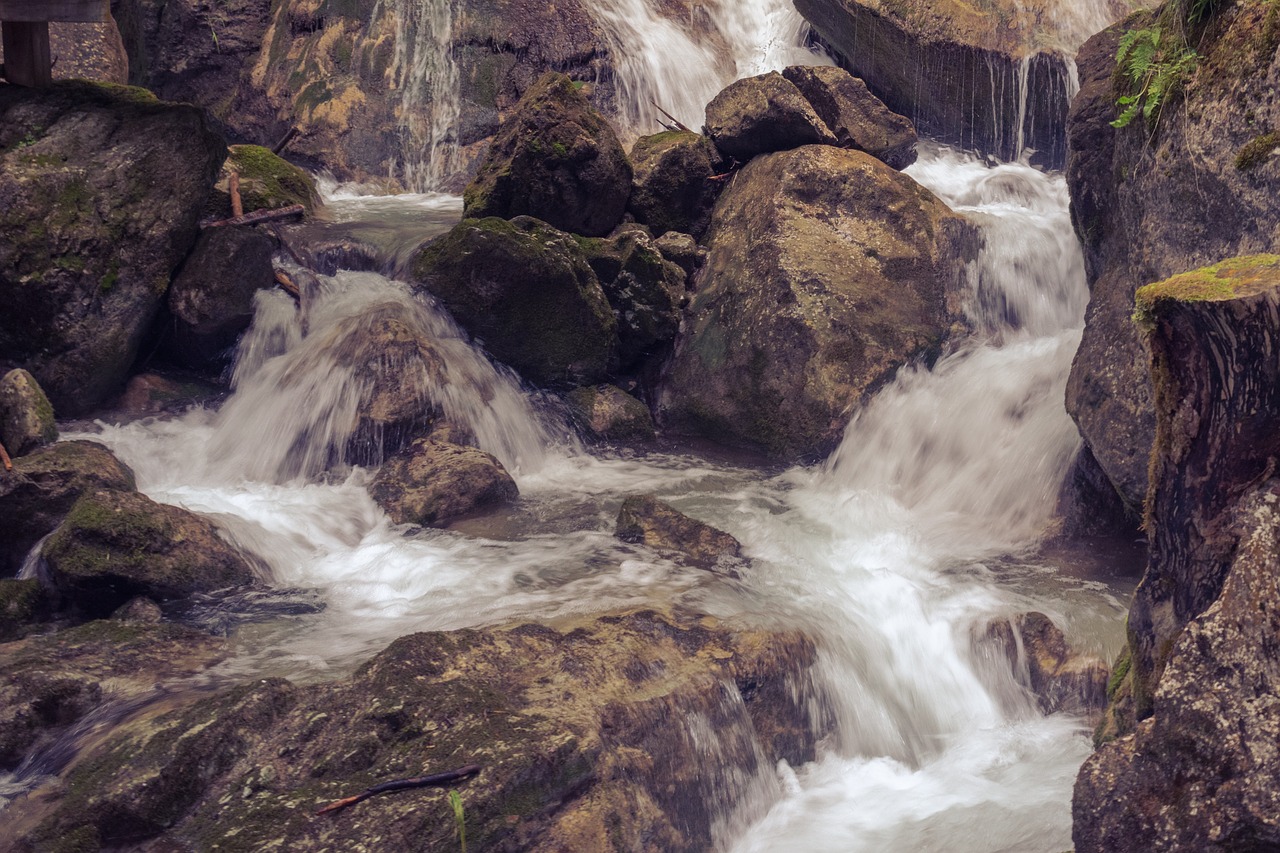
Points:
[892,555]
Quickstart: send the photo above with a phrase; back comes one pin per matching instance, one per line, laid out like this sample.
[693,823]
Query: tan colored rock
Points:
[433,482]
[611,414]
[1061,678]
[26,418]
[646,520]
[858,118]
[762,114]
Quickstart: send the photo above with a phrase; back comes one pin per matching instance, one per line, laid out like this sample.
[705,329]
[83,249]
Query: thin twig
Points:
[256,216]
[435,780]
[4,457]
[673,119]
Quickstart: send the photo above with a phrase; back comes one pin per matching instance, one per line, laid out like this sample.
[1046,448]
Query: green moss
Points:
[268,180]
[312,96]
[1256,150]
[110,277]
[560,150]
[70,263]
[1229,279]
[1119,672]
[22,603]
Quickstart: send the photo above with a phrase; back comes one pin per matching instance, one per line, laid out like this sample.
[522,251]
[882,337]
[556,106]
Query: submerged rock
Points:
[858,118]
[42,487]
[26,418]
[557,159]
[526,291]
[211,299]
[1060,678]
[594,739]
[827,271]
[100,190]
[671,189]
[114,545]
[757,115]
[646,520]
[434,482]
[610,414]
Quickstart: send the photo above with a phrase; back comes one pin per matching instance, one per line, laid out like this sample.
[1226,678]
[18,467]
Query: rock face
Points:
[960,71]
[1139,225]
[827,271]
[114,545]
[526,290]
[1061,679]
[100,189]
[646,520]
[1203,624]
[211,299]
[858,118]
[434,482]
[608,413]
[26,418]
[671,188]
[761,114]
[42,487]
[581,737]
[555,158]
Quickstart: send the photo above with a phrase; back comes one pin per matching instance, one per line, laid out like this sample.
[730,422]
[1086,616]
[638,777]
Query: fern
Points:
[1156,63]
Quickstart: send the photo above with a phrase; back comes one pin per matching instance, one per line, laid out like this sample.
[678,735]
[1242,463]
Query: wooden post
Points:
[24,28]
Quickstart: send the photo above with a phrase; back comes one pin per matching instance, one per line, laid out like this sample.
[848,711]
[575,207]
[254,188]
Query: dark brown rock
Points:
[1060,678]
[758,115]
[100,190]
[827,271]
[26,418]
[858,118]
[646,520]
[115,545]
[610,414]
[434,482]
[555,158]
[23,607]
[526,291]
[37,494]
[683,251]
[671,189]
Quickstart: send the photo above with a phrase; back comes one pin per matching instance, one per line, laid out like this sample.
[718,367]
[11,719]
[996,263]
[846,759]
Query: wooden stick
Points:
[233,186]
[287,285]
[4,457]
[256,216]
[673,119]
[436,780]
[285,140]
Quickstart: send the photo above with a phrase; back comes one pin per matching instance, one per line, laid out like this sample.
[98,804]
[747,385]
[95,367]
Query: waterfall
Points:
[680,62]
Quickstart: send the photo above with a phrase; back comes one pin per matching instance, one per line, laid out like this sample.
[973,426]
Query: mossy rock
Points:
[268,181]
[671,189]
[26,417]
[23,606]
[527,292]
[608,413]
[1233,278]
[646,520]
[115,545]
[435,482]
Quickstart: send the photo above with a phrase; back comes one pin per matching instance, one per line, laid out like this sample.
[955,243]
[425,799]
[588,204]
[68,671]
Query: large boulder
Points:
[828,270]
[607,413]
[266,181]
[526,291]
[555,158]
[26,418]
[114,545]
[100,190]
[857,118]
[435,482]
[965,73]
[211,299]
[42,487]
[1140,224]
[1197,738]
[671,188]
[591,739]
[757,115]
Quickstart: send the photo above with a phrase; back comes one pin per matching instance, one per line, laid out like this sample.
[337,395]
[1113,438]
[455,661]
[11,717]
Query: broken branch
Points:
[256,216]
[284,142]
[4,457]
[287,285]
[672,118]
[435,780]
[233,186]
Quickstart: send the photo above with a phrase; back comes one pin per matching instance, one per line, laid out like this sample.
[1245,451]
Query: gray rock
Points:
[683,251]
[26,418]
[672,188]
[434,482]
[857,118]
[757,115]
[608,413]
[646,520]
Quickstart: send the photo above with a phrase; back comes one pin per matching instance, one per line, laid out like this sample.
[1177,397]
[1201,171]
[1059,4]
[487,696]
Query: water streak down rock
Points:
[1202,769]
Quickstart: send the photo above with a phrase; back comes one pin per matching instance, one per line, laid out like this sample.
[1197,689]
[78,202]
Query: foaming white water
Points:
[680,62]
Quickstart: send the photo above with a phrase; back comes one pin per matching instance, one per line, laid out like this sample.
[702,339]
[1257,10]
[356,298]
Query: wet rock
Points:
[671,189]
[1060,678]
[100,190]
[683,251]
[583,739]
[140,609]
[645,291]
[26,418]
[761,114]
[211,299]
[23,607]
[49,682]
[646,520]
[434,482]
[556,159]
[151,394]
[1140,225]
[526,291]
[114,545]
[827,271]
[43,485]
[858,118]
[610,414]
[267,181]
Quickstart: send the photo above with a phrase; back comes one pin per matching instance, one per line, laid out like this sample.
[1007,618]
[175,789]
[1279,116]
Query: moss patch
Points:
[1229,279]
[1256,150]
[268,181]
